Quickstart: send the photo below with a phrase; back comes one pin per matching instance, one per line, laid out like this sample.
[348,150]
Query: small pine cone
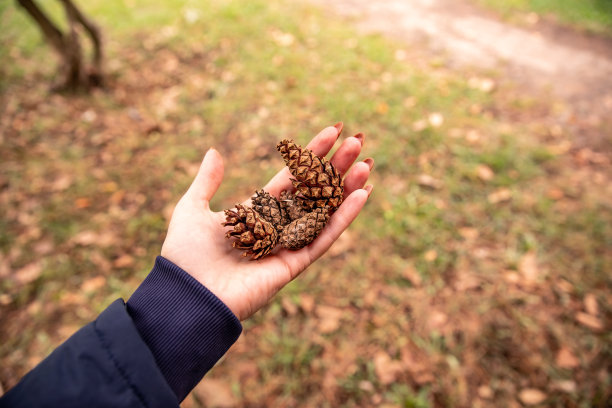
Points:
[252,232]
[292,206]
[317,181]
[270,209]
[303,231]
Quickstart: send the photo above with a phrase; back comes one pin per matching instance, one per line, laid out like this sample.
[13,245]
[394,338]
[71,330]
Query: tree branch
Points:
[51,33]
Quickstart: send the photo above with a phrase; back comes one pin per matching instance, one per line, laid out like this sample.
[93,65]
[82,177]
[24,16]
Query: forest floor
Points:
[477,275]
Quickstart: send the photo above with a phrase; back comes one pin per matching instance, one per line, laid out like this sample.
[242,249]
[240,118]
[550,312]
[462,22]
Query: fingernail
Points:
[370,162]
[369,189]
[339,126]
[360,137]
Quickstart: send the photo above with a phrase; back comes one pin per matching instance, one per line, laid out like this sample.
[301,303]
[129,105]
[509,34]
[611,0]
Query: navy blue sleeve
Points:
[187,328]
[104,364]
[148,353]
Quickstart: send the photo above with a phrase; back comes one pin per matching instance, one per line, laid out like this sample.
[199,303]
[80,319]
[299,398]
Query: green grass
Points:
[240,77]
[591,15]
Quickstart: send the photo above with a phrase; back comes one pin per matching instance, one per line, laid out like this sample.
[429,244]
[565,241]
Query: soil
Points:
[542,58]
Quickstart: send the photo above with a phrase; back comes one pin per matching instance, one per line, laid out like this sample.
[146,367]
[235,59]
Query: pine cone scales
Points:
[317,181]
[270,209]
[252,232]
[304,230]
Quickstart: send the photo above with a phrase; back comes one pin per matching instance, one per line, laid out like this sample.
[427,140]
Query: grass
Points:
[590,15]
[467,278]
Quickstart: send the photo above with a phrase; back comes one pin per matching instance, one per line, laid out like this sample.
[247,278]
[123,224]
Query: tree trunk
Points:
[75,76]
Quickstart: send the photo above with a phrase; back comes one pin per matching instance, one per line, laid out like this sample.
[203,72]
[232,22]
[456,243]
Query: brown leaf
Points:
[426,180]
[93,284]
[289,306]
[307,303]
[431,255]
[124,261]
[329,318]
[499,196]
[590,304]
[82,202]
[484,172]
[532,396]
[386,369]
[528,267]
[215,393]
[28,273]
[589,321]
[566,359]
[410,273]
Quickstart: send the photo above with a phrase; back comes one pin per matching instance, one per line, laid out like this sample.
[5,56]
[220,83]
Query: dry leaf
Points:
[386,369]
[431,255]
[426,180]
[123,261]
[468,233]
[82,202]
[589,321]
[410,273]
[528,267]
[28,273]
[307,303]
[484,172]
[566,359]
[485,392]
[93,284]
[499,196]
[531,396]
[289,306]
[329,319]
[567,386]
[215,394]
[590,304]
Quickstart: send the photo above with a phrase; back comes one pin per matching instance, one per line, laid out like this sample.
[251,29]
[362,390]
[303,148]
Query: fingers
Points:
[209,176]
[297,261]
[347,153]
[356,177]
[321,144]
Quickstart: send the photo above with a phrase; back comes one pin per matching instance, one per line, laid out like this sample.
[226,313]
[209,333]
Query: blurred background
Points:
[477,275]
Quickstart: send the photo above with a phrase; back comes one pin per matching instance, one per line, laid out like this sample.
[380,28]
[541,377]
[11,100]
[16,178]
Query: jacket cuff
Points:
[187,328]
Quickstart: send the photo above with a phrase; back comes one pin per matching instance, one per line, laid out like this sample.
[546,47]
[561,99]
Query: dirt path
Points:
[540,57]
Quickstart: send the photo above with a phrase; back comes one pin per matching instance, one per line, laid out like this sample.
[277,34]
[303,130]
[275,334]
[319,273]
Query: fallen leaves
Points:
[28,273]
[532,396]
[329,319]
[426,180]
[386,369]
[590,321]
[499,196]
[566,359]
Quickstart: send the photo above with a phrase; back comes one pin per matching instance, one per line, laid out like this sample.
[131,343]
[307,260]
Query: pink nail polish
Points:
[360,136]
[339,126]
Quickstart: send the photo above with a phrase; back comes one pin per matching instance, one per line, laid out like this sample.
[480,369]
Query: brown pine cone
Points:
[270,209]
[292,206]
[252,232]
[317,181]
[304,230]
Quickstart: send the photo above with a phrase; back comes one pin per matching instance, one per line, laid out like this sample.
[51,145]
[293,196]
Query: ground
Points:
[478,274]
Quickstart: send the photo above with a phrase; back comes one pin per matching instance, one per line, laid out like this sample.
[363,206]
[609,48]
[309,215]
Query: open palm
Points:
[196,239]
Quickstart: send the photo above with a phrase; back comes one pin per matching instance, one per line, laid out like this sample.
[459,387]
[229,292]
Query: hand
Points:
[196,239]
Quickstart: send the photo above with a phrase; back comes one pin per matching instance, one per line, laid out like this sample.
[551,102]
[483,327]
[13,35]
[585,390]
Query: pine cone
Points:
[291,206]
[270,209]
[317,181]
[252,231]
[303,231]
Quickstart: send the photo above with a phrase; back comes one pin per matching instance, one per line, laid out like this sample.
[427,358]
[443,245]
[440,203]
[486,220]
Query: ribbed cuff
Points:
[187,328]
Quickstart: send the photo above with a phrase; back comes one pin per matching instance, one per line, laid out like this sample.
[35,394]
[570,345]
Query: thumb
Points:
[209,176]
